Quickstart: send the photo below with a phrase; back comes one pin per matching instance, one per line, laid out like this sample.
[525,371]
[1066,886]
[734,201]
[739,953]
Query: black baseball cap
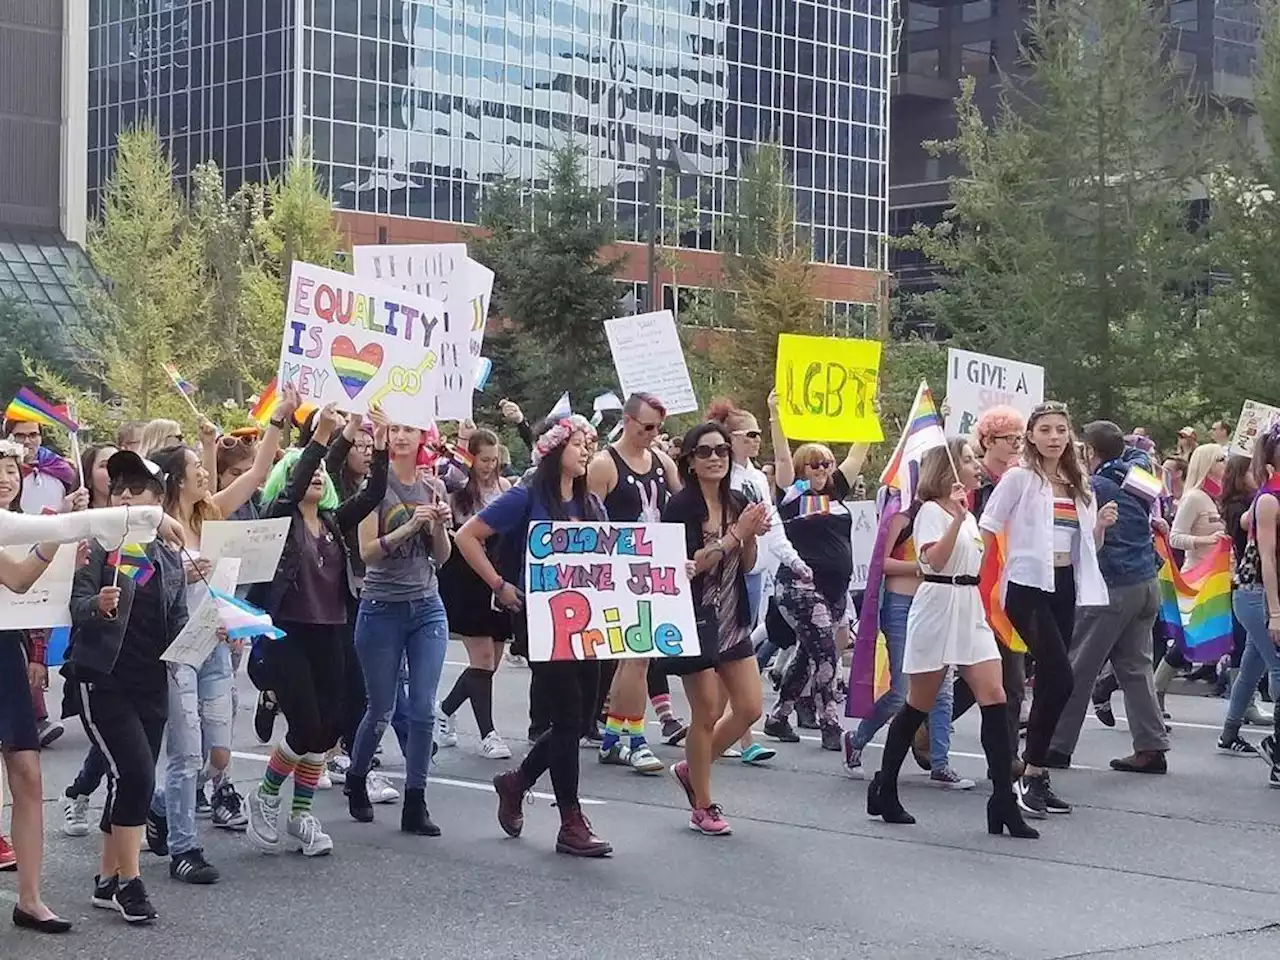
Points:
[126,465]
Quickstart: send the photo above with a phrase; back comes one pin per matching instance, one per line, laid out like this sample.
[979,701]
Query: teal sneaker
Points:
[757,754]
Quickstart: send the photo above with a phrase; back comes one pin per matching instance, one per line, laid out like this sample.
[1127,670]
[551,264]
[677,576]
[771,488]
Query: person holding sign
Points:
[721,529]
[308,599]
[557,491]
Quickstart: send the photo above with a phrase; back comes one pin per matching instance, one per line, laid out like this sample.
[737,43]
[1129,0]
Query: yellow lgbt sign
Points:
[827,388]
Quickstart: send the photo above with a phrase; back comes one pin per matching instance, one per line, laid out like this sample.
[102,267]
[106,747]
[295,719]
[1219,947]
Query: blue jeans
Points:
[894,608]
[940,723]
[389,633]
[199,721]
[1250,607]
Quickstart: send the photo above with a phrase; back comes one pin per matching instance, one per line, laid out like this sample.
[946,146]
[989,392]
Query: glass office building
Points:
[412,107]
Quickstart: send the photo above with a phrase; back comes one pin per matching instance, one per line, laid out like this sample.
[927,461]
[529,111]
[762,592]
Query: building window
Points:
[1185,14]
[923,63]
[921,16]
[977,59]
[975,10]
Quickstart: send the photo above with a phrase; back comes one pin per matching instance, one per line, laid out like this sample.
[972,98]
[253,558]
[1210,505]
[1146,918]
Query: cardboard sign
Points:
[977,382]
[1255,419]
[863,536]
[257,544]
[607,591]
[443,272]
[827,388]
[649,359]
[199,637]
[48,602]
[356,342]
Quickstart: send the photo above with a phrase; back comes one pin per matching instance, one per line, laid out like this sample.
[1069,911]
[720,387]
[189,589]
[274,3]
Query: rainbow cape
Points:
[989,578]
[1196,605]
[132,561]
[30,407]
[864,674]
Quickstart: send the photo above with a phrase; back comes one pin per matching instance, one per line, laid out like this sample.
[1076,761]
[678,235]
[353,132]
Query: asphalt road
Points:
[1151,868]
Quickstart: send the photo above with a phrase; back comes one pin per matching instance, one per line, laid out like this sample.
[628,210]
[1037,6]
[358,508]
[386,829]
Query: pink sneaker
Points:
[710,821]
[681,773]
[8,859]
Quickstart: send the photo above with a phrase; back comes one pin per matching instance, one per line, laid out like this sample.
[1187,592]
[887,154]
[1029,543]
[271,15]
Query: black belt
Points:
[961,581]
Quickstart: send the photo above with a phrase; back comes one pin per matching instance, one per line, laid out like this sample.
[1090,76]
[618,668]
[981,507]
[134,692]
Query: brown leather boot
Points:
[1142,761]
[511,790]
[577,839]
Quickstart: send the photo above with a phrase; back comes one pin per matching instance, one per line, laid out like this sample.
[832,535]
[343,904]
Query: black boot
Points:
[882,801]
[1003,813]
[358,804]
[1002,808]
[414,817]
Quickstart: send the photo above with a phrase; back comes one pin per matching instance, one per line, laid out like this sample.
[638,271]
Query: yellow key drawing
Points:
[405,380]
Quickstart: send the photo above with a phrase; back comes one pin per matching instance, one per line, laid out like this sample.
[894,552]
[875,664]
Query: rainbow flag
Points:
[184,387]
[923,433]
[1146,486]
[990,576]
[30,407]
[1196,605]
[268,400]
[133,562]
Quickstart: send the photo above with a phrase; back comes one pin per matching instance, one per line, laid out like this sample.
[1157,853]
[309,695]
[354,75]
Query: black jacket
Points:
[346,517]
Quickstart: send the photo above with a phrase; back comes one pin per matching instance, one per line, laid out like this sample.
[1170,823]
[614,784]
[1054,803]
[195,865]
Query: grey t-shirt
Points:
[408,572]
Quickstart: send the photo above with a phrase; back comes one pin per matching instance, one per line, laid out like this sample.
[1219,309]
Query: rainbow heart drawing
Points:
[355,368]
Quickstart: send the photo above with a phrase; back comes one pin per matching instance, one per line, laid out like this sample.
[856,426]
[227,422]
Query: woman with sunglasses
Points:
[721,529]
[1046,508]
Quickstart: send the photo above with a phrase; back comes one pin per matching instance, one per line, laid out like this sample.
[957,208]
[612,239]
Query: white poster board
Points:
[443,272]
[649,359]
[48,602]
[199,637]
[1255,419]
[354,342]
[977,382]
[607,591]
[863,535]
[257,544]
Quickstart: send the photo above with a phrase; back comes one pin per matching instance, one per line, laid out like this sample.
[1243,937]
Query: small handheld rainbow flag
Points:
[1196,605]
[923,433]
[1146,486]
[268,400]
[30,407]
[184,387]
[132,561]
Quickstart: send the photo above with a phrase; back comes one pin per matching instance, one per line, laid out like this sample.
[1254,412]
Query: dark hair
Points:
[1180,465]
[87,459]
[1235,479]
[466,499]
[1104,438]
[685,466]
[10,424]
[172,462]
[235,455]
[1266,453]
[638,401]
[546,484]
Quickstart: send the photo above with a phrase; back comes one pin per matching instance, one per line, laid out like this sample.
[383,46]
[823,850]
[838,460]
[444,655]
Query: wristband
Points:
[40,556]
[278,424]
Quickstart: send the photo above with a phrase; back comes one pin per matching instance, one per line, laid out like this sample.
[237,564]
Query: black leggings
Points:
[1045,621]
[128,729]
[306,667]
[561,688]
[659,685]
[92,772]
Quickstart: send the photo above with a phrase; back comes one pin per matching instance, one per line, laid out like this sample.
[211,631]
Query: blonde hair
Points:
[156,434]
[937,473]
[1202,460]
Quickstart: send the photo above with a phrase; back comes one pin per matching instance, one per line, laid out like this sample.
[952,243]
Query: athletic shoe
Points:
[228,808]
[577,839]
[1052,802]
[674,730]
[104,892]
[806,715]
[731,752]
[49,731]
[780,729]
[644,761]
[511,791]
[192,867]
[680,772]
[710,821]
[1268,748]
[308,838]
[263,829]
[325,782]
[1237,747]
[948,779]
[1255,716]
[380,789]
[336,767]
[446,729]
[1106,716]
[264,716]
[617,756]
[8,859]
[492,747]
[1273,779]
[1031,791]
[851,756]
[831,738]
[75,817]
[755,754]
[132,902]
[204,809]
[157,833]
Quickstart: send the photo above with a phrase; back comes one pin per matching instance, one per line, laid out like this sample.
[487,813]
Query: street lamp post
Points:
[682,164]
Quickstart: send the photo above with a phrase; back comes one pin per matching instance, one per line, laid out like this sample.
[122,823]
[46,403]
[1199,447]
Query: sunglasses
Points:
[228,442]
[135,487]
[1049,407]
[821,464]
[749,434]
[647,427]
[720,451]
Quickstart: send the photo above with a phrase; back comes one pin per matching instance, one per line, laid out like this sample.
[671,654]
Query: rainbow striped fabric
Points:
[990,576]
[1065,514]
[132,561]
[1196,605]
[1142,484]
[184,387]
[268,400]
[923,432]
[814,505]
[30,407]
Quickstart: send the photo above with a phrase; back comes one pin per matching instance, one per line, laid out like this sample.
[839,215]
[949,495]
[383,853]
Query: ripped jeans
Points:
[815,619]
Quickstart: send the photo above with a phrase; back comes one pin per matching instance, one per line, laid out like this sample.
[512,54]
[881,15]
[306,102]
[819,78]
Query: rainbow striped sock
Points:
[282,763]
[305,778]
[662,706]
[614,728]
[635,727]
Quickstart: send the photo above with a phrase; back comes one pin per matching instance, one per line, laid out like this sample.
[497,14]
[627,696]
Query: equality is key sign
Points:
[608,591]
[355,342]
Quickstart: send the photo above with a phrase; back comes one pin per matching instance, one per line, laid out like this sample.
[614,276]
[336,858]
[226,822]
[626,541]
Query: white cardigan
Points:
[1022,506]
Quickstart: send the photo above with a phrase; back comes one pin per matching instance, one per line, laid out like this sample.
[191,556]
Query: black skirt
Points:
[18,730]
[469,602]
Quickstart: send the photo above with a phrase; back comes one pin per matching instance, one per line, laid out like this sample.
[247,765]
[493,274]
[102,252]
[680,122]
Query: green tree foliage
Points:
[1069,244]
[27,336]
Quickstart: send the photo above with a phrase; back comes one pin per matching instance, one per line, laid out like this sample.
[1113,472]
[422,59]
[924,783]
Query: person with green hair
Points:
[308,599]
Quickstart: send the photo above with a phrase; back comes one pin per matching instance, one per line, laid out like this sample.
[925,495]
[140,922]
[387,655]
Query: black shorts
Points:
[18,730]
[687,666]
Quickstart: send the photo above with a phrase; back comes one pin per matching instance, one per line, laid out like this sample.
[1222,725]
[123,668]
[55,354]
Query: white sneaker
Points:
[492,747]
[304,830]
[380,789]
[644,761]
[446,729]
[336,767]
[263,829]
[325,782]
[75,820]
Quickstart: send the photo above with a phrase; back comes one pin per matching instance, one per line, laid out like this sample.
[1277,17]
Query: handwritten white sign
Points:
[199,637]
[257,544]
[977,382]
[649,359]
[48,602]
[354,342]
[863,535]
[1255,419]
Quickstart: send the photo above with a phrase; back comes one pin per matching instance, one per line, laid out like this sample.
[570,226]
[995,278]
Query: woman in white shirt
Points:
[947,626]
[1053,525]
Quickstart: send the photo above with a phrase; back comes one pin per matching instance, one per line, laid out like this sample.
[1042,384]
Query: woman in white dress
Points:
[947,627]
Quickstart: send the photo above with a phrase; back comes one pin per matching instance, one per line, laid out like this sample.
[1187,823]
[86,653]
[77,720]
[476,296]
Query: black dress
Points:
[468,601]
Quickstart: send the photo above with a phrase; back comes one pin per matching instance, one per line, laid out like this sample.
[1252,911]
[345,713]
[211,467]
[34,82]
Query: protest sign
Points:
[257,544]
[356,342]
[827,387]
[977,382]
[649,359]
[48,602]
[443,272]
[1255,419]
[199,637]
[863,535]
[607,591]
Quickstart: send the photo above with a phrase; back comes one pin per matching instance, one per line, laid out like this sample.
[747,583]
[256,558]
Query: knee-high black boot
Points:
[1002,808]
[882,794]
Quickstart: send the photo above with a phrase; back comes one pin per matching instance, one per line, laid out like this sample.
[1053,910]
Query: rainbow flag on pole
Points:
[1196,605]
[30,407]
[133,562]
[268,400]
[923,433]
[184,387]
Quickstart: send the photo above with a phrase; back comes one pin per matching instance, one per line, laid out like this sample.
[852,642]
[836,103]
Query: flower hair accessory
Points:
[1273,432]
[557,436]
[11,448]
